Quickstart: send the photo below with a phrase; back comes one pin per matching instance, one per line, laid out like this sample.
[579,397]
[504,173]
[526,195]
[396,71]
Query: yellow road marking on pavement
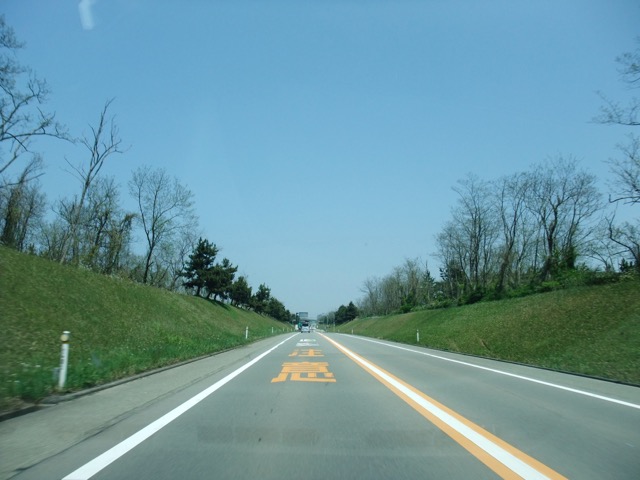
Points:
[309,352]
[305,372]
[504,459]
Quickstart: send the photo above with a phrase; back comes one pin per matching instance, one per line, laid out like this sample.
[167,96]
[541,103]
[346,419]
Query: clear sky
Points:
[322,139]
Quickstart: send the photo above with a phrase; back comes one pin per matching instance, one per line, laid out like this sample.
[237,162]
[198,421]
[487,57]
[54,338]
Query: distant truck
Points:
[304,326]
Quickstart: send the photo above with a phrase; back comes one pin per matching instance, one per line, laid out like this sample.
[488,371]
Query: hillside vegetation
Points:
[118,328]
[591,330]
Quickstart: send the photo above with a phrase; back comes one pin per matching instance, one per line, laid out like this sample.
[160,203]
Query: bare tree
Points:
[478,228]
[383,296]
[563,199]
[50,237]
[626,190]
[511,200]
[20,205]
[392,291]
[454,257]
[626,171]
[411,274]
[409,285]
[102,206]
[370,303]
[22,117]
[101,144]
[601,248]
[627,238]
[165,211]
[613,112]
[105,230]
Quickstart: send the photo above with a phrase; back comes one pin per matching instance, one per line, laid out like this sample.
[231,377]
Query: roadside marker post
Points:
[417,336]
[64,359]
[246,333]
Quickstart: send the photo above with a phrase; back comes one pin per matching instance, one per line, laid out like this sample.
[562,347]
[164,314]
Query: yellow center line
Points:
[504,459]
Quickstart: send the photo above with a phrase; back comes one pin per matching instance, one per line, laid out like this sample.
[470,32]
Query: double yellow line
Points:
[505,460]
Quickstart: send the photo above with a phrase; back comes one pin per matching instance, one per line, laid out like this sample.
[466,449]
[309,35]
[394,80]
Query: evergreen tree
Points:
[261,298]
[351,312]
[346,314]
[240,292]
[220,279]
[276,309]
[200,266]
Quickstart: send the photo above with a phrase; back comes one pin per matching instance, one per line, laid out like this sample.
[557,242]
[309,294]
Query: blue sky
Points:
[322,139]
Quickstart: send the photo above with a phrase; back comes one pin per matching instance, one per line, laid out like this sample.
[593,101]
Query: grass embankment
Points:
[588,330]
[118,328]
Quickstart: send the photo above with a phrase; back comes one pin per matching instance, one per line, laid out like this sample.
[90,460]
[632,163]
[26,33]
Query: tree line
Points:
[531,231]
[206,277]
[91,229]
[342,315]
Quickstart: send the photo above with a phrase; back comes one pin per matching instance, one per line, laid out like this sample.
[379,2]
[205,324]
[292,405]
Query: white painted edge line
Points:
[88,470]
[501,372]
[496,451]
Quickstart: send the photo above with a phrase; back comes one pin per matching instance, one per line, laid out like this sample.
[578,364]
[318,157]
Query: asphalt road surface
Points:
[331,406]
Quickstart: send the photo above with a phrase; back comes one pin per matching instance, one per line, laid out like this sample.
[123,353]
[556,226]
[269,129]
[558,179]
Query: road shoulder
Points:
[30,439]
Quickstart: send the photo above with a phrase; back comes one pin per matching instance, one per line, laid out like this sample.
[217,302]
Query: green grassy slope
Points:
[117,327]
[587,330]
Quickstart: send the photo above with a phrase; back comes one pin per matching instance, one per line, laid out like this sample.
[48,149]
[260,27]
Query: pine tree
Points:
[261,298]
[351,312]
[200,266]
[220,279]
[240,293]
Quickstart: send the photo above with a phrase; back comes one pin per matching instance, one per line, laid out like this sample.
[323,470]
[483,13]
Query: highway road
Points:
[324,405]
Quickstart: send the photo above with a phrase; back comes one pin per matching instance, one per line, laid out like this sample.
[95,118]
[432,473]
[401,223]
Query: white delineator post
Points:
[246,333]
[64,359]
[418,336]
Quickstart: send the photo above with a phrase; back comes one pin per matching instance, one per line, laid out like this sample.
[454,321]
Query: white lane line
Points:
[506,458]
[501,372]
[99,463]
